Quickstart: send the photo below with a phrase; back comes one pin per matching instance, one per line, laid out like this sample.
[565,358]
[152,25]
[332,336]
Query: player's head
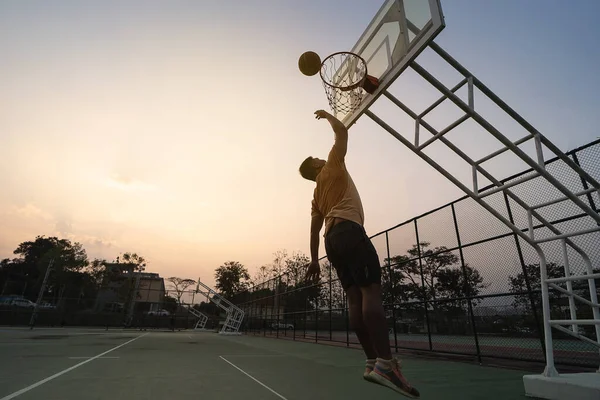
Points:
[310,168]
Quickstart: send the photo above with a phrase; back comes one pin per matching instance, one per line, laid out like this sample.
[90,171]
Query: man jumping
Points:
[336,203]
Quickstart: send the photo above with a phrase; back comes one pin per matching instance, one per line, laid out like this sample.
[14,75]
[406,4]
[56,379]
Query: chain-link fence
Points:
[456,280]
[124,300]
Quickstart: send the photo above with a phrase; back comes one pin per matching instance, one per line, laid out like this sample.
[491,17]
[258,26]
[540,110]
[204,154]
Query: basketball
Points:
[309,63]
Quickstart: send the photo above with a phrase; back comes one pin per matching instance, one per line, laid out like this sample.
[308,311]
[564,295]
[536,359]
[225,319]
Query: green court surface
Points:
[97,364]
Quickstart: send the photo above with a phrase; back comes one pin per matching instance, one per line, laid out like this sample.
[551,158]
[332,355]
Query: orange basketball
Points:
[309,63]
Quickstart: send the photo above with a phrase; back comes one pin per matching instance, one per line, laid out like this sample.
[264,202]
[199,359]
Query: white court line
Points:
[28,388]
[254,355]
[249,376]
[85,358]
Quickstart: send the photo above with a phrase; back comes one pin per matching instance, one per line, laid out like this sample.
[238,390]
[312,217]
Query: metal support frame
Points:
[235,315]
[202,318]
[537,164]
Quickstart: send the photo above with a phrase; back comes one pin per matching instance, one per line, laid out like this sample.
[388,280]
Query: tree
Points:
[231,278]
[434,276]
[335,291]
[11,277]
[96,270]
[133,258]
[170,304]
[295,268]
[455,283]
[518,286]
[394,289]
[263,274]
[278,266]
[66,279]
[180,285]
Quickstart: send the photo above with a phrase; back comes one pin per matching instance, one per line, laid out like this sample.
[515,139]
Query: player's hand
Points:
[322,114]
[313,271]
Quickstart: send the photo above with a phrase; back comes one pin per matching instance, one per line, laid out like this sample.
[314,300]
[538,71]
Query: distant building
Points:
[151,292]
[119,284]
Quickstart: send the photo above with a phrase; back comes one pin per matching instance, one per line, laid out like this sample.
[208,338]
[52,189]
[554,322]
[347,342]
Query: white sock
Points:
[385,364]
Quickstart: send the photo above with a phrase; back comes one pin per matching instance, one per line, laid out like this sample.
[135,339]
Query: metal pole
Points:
[525,276]
[317,313]
[347,320]
[40,295]
[393,288]
[467,285]
[133,298]
[425,302]
[330,304]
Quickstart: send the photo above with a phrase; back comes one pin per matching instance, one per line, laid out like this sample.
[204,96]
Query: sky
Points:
[175,129]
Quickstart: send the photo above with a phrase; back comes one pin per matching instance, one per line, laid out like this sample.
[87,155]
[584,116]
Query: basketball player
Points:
[336,203]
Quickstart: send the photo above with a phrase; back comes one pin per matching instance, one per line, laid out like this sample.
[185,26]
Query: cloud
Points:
[129,184]
[63,227]
[93,240]
[30,211]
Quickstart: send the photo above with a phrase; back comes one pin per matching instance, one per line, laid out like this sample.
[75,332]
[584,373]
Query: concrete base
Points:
[580,386]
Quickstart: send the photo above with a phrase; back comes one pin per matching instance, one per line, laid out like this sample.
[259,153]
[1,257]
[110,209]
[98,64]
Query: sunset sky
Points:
[176,129]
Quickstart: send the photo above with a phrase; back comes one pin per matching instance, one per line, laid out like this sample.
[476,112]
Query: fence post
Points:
[393,288]
[526,277]
[317,314]
[467,286]
[346,319]
[330,305]
[305,309]
[277,286]
[424,287]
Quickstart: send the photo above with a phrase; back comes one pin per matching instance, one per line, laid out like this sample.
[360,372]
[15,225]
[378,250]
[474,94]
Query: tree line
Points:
[423,275]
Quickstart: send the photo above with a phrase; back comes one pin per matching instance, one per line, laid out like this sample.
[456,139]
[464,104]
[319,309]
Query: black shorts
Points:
[353,255]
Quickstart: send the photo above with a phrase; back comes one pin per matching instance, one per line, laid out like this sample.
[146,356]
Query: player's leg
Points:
[374,318]
[336,248]
[367,274]
[357,324]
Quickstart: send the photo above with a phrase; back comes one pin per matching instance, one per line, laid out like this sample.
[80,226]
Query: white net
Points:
[343,75]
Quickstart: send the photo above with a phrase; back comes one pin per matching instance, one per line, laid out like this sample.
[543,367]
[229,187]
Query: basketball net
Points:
[345,80]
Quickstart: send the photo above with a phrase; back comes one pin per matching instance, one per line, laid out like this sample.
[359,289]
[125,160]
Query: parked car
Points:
[159,313]
[280,325]
[20,302]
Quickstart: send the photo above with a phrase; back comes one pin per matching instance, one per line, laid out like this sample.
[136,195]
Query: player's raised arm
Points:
[341,132]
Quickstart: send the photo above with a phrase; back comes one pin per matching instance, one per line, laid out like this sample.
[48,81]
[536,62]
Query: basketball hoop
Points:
[345,80]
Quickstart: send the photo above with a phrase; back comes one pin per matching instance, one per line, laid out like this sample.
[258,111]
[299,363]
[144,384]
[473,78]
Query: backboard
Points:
[400,30]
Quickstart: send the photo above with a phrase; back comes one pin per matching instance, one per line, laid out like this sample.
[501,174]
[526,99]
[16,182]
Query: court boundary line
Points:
[39,383]
[249,376]
[253,355]
[99,358]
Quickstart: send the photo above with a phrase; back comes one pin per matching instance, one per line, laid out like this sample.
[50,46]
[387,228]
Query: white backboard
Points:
[400,30]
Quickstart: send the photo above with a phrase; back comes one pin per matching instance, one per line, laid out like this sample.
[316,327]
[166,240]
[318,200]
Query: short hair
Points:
[307,170]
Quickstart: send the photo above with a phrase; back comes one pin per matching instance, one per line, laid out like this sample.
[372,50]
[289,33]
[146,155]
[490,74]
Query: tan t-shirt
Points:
[335,195]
